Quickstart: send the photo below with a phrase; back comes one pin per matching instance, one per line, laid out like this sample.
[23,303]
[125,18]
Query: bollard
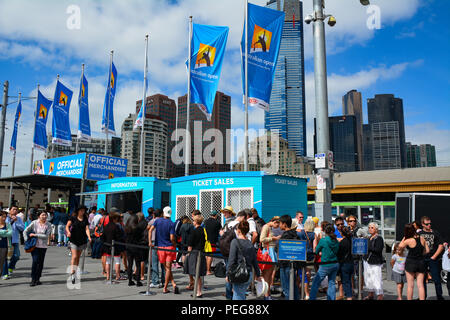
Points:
[111,264]
[149,271]
[359,278]
[197,274]
[303,283]
[253,282]
[291,282]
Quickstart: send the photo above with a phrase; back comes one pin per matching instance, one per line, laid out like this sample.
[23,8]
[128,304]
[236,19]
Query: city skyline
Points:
[370,61]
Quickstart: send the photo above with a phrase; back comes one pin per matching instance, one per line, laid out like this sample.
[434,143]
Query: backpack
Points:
[220,270]
[225,241]
[178,225]
[98,231]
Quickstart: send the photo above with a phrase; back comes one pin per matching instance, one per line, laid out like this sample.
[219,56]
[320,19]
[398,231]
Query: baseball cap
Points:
[114,209]
[167,212]
[214,213]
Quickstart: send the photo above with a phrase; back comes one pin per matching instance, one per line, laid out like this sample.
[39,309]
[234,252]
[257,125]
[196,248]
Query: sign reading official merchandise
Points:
[101,167]
[70,166]
[292,250]
[360,246]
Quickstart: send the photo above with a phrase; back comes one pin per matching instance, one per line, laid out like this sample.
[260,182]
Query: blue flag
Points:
[140,117]
[16,127]
[207,52]
[61,107]
[84,125]
[40,129]
[108,107]
[264,38]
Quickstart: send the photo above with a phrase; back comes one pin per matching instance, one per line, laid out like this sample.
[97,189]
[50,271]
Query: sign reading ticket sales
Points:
[360,246]
[292,250]
[101,167]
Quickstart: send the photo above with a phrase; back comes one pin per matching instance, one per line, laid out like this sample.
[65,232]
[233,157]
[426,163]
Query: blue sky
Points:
[408,56]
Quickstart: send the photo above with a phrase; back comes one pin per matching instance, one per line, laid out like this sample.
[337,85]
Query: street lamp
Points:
[323,197]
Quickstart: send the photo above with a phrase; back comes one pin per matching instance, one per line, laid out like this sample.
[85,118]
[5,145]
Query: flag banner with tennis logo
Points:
[40,130]
[16,127]
[265,28]
[108,108]
[207,52]
[84,124]
[61,134]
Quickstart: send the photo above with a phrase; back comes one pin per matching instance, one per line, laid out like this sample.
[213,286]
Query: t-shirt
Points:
[4,241]
[234,223]
[252,225]
[213,227]
[185,230]
[399,265]
[197,239]
[433,240]
[337,233]
[163,228]
[78,231]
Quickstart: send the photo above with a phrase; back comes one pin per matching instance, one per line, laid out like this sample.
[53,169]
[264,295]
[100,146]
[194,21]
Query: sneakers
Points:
[268,298]
[6,277]
[154,285]
[10,271]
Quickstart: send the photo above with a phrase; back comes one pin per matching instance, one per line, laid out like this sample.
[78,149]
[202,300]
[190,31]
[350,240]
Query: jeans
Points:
[434,267]
[329,270]
[239,289]
[62,238]
[38,256]
[285,283]
[346,270]
[228,287]
[15,257]
[96,249]
[155,269]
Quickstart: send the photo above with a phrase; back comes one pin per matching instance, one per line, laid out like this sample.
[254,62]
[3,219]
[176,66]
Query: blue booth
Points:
[137,194]
[271,195]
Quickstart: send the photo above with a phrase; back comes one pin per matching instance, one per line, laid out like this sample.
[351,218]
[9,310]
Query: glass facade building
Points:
[287,103]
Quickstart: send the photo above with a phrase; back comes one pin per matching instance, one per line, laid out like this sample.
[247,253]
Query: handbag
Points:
[208,247]
[30,244]
[238,272]
[264,257]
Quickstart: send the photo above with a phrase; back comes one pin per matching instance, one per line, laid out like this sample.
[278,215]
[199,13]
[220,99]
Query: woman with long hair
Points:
[133,235]
[77,230]
[328,248]
[415,261]
[268,244]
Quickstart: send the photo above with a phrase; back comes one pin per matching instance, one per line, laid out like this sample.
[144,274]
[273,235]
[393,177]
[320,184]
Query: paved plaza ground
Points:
[94,287]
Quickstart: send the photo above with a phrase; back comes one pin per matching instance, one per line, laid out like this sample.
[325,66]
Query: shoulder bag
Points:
[238,272]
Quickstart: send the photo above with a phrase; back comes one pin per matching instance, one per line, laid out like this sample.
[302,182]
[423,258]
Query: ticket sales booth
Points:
[271,195]
[136,194]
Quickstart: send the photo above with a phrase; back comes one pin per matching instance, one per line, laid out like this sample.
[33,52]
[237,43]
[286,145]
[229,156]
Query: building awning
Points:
[45,182]
[107,192]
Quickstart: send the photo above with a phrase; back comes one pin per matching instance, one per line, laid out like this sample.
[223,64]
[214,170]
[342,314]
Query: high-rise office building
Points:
[163,108]
[221,121]
[287,102]
[94,146]
[367,148]
[386,145]
[352,106]
[343,143]
[386,108]
[420,156]
[155,139]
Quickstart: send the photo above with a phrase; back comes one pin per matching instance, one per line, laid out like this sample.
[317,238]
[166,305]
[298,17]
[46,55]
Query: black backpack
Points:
[225,241]
[220,270]
[178,225]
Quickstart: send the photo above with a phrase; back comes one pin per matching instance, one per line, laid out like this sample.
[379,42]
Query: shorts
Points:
[73,246]
[166,256]
[117,260]
[398,278]
[415,266]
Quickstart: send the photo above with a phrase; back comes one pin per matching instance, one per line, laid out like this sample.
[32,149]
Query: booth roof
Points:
[230,174]
[131,179]
[44,181]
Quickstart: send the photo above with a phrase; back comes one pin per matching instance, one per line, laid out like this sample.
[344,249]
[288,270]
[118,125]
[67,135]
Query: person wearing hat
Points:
[228,214]
[77,230]
[212,227]
[165,239]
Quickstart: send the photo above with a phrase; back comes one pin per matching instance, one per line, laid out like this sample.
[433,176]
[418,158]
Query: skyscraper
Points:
[352,106]
[386,108]
[220,120]
[287,103]
[367,148]
[420,156]
[386,145]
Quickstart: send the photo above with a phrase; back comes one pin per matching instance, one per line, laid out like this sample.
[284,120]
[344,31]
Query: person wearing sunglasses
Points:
[340,224]
[433,260]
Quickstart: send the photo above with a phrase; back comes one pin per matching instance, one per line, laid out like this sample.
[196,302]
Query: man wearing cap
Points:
[212,227]
[165,239]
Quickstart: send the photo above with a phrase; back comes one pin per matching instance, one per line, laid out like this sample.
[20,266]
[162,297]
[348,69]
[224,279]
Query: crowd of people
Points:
[242,238]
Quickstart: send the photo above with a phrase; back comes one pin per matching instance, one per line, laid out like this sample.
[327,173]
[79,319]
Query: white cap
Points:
[167,212]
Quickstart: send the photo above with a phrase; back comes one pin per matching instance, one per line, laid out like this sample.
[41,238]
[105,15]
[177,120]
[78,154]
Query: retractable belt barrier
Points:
[197,275]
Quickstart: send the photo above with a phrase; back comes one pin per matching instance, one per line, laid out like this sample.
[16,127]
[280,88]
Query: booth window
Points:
[185,205]
[210,200]
[240,199]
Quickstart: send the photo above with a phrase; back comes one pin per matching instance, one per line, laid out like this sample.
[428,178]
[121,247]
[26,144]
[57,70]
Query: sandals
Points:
[190,288]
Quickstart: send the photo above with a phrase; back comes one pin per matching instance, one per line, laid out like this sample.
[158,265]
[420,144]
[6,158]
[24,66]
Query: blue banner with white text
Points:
[108,107]
[16,127]
[84,124]
[265,28]
[61,134]
[40,132]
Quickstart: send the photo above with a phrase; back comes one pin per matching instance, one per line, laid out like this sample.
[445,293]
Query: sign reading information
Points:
[292,250]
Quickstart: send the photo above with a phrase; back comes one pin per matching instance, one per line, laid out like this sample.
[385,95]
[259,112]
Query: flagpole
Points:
[34,135]
[143,108]
[14,161]
[53,145]
[246,90]
[109,102]
[188,106]
[77,150]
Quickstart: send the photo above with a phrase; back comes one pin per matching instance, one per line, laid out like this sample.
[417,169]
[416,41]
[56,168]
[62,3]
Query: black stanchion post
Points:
[197,274]
[149,270]
[111,263]
[253,282]
[303,282]
[359,278]
[291,282]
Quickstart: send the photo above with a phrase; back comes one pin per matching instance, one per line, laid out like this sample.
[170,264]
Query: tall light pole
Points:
[3,122]
[323,196]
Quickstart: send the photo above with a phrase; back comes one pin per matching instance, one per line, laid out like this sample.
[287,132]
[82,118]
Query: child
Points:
[398,269]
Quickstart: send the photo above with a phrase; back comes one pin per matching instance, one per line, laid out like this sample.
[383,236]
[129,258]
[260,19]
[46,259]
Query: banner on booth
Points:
[101,167]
